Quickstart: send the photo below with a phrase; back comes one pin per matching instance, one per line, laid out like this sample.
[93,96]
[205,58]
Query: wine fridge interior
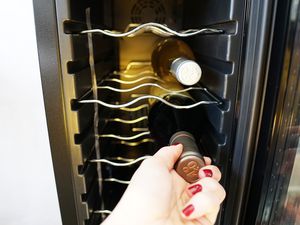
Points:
[99,97]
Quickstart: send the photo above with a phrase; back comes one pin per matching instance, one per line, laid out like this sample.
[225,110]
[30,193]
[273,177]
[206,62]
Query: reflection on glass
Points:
[286,202]
[290,213]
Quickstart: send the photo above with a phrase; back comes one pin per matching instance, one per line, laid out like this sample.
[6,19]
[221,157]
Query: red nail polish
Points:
[208,173]
[188,210]
[174,144]
[195,188]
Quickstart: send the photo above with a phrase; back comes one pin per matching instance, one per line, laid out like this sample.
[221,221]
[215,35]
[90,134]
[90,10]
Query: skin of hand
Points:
[157,195]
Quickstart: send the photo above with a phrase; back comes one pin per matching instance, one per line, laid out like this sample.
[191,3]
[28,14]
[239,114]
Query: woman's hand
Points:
[157,195]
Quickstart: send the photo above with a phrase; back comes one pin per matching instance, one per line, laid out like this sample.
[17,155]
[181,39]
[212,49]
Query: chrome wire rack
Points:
[135,85]
[142,80]
[161,30]
[132,83]
[130,111]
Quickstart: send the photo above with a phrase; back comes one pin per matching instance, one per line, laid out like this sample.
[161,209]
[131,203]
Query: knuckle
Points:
[210,182]
[165,148]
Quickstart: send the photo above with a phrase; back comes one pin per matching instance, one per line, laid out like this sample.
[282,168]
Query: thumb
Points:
[168,155]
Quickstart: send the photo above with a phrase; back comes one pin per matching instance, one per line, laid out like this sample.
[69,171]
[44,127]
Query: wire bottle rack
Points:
[133,82]
[161,30]
[142,80]
[126,82]
[145,79]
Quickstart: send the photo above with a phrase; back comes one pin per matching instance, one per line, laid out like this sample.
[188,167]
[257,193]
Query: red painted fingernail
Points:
[188,210]
[195,188]
[208,173]
[174,144]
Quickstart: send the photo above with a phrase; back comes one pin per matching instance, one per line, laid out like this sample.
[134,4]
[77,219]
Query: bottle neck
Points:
[186,71]
[164,120]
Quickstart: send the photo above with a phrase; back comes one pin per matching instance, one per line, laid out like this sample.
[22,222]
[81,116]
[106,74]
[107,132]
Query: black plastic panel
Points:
[207,12]
[50,66]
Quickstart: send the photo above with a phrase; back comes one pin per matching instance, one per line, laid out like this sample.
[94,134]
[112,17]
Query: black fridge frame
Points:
[258,33]
[49,61]
[259,30]
[267,158]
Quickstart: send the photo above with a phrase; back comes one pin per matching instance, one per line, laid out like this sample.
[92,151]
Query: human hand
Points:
[157,195]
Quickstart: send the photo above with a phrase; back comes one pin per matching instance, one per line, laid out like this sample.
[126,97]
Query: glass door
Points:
[274,196]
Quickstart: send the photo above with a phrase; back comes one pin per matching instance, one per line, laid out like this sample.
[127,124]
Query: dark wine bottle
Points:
[172,126]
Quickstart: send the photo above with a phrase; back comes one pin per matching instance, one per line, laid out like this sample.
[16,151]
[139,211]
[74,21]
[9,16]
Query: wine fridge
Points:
[236,79]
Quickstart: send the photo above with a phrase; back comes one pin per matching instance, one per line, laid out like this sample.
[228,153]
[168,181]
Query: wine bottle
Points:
[174,60]
[172,126]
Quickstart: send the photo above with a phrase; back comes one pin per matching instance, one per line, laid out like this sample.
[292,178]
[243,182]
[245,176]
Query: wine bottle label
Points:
[186,71]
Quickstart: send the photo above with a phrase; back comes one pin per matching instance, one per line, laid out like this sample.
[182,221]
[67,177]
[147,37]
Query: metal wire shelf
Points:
[120,164]
[143,77]
[123,121]
[158,29]
[124,138]
[136,143]
[147,97]
[102,211]
[156,85]
[139,97]
[115,180]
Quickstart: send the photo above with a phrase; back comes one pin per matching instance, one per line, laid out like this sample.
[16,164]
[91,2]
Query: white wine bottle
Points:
[173,59]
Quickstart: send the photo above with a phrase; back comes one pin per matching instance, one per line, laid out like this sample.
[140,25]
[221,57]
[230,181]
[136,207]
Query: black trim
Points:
[47,42]
[273,83]
[258,30]
[273,137]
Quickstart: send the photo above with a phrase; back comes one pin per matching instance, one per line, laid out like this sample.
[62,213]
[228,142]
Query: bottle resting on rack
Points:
[170,126]
[173,59]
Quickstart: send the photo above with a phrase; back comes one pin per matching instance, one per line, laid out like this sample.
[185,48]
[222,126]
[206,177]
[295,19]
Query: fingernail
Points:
[174,144]
[208,173]
[195,188]
[188,210]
